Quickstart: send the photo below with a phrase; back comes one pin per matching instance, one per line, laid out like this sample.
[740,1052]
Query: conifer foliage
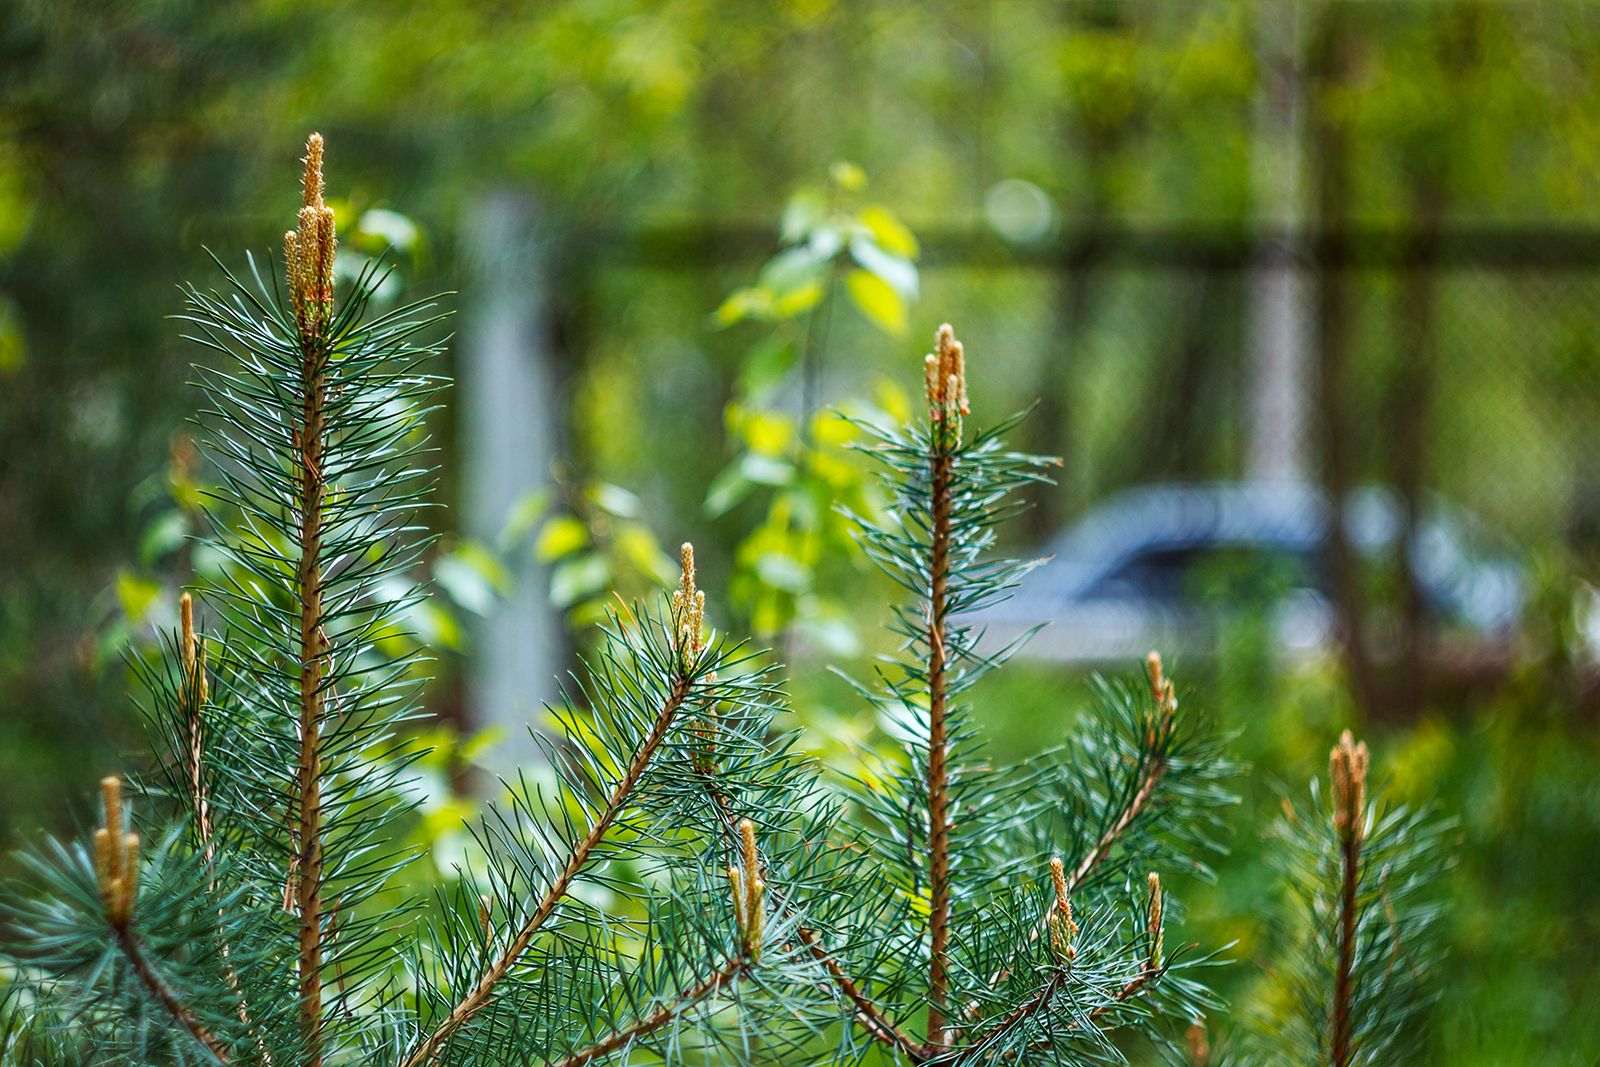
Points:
[244,907]
[1361,945]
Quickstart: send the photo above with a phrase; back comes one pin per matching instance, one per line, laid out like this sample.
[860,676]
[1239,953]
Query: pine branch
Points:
[626,1036]
[1063,931]
[1037,1004]
[576,861]
[876,1024]
[152,982]
[1114,833]
[1159,731]
[192,697]
[1363,946]
[872,1019]
[938,776]
[193,694]
[117,868]
[1348,774]
[947,402]
[310,255]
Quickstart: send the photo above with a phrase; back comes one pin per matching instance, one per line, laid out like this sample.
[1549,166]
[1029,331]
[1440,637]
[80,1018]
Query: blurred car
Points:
[1166,566]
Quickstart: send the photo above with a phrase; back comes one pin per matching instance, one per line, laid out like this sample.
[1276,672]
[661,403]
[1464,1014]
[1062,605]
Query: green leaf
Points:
[527,511]
[750,302]
[614,499]
[136,595]
[847,176]
[890,233]
[900,273]
[639,546]
[472,576]
[592,612]
[768,433]
[878,301]
[561,536]
[791,270]
[831,634]
[765,470]
[728,488]
[799,301]
[391,227]
[479,744]
[579,578]
[782,571]
[766,365]
[805,210]
[164,534]
[435,626]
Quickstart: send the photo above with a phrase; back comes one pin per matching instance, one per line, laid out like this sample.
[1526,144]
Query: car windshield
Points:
[1233,575]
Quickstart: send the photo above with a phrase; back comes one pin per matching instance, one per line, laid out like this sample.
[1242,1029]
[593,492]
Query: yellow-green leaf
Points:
[579,578]
[891,234]
[561,536]
[878,301]
[750,302]
[888,395]
[800,300]
[769,432]
[847,175]
[640,547]
[136,595]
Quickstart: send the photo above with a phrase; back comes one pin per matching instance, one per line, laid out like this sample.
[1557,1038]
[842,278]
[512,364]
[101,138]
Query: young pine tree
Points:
[942,911]
[1361,946]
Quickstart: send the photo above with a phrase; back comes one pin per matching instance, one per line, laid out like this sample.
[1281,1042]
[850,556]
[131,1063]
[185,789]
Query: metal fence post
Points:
[508,438]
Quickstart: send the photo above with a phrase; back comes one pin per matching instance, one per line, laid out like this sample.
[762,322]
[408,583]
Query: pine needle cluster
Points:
[1361,945]
[940,911]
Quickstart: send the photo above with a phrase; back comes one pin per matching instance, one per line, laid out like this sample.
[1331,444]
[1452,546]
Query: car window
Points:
[1207,574]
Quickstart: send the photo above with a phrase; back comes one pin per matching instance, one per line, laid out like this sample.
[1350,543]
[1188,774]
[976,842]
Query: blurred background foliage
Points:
[755,214]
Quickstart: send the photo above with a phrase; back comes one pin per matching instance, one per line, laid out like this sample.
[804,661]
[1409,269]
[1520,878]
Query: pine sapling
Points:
[941,911]
[1362,948]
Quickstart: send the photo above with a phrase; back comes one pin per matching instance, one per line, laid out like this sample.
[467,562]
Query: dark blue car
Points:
[1161,565]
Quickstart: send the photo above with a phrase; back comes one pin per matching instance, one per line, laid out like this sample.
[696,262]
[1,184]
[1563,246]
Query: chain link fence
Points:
[1456,367]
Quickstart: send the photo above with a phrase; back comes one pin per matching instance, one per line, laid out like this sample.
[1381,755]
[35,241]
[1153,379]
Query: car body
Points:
[1166,566]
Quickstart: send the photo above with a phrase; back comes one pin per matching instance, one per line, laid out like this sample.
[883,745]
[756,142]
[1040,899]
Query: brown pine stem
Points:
[309,253]
[579,857]
[1097,855]
[1041,1000]
[158,989]
[1125,819]
[312,655]
[1347,779]
[726,976]
[1350,849]
[876,1024]
[938,774]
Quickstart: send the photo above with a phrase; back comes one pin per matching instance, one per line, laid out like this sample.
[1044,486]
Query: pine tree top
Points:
[940,910]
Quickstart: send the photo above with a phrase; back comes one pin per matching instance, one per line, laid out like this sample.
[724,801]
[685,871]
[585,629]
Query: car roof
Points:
[1485,590]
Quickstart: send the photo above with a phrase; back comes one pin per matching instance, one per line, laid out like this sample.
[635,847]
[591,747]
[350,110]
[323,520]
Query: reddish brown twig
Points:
[876,1024]
[945,434]
[1348,777]
[310,251]
[1108,840]
[158,989]
[479,996]
[726,976]
[1041,1000]
[1096,856]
